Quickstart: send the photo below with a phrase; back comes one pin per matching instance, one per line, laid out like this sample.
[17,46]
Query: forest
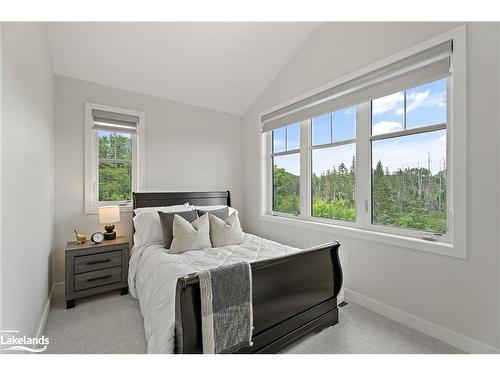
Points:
[115,167]
[412,198]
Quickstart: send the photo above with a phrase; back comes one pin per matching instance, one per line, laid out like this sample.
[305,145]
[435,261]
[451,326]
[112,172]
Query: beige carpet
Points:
[112,323]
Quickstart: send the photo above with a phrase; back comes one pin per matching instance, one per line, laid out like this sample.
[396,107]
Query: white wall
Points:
[188,148]
[27,175]
[459,295]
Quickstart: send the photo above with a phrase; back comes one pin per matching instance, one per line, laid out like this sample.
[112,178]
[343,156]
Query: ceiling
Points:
[222,66]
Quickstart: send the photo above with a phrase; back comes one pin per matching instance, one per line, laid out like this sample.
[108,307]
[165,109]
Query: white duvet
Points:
[153,275]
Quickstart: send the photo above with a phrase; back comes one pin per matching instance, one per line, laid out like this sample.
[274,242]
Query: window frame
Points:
[92,203]
[454,242]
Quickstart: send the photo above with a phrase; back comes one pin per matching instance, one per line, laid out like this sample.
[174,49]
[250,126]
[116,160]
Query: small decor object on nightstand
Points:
[109,215]
[97,237]
[80,238]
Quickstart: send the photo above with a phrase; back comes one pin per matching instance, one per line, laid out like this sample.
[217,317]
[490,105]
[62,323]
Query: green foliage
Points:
[286,192]
[115,146]
[412,198]
[340,209]
[333,193]
[115,182]
[115,167]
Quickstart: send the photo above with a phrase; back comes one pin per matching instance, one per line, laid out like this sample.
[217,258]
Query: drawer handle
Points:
[98,262]
[99,278]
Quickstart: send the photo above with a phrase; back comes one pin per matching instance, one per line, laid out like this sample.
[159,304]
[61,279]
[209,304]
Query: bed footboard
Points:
[292,296]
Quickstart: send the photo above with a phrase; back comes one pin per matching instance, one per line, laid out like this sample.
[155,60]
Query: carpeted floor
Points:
[112,323]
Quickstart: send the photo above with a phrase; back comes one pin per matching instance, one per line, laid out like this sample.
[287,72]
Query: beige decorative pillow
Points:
[190,236]
[225,232]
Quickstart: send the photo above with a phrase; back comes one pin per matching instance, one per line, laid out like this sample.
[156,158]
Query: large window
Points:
[112,156]
[378,152]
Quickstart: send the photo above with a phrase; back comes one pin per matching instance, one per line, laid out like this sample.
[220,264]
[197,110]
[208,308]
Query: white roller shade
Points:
[428,65]
[114,121]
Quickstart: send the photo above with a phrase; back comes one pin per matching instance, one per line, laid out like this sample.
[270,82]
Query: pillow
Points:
[190,236]
[147,223]
[225,232]
[215,207]
[175,208]
[221,213]
[147,229]
[167,222]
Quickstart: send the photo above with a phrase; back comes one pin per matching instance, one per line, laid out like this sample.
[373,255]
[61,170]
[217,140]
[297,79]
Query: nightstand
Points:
[94,269]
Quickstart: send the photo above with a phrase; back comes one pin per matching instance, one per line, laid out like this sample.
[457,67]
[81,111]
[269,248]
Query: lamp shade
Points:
[109,214]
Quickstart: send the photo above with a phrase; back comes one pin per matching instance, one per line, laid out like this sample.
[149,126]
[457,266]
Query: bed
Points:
[294,291]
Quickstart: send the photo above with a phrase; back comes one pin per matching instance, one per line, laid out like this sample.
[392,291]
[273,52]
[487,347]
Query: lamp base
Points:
[110,234]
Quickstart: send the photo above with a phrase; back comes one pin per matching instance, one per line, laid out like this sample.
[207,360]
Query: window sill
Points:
[95,210]
[440,248]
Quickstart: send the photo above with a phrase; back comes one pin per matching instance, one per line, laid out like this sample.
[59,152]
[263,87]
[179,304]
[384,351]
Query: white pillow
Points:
[190,236]
[225,232]
[147,223]
[215,207]
[175,208]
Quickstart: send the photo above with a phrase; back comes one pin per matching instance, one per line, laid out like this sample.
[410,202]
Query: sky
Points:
[425,105]
[107,133]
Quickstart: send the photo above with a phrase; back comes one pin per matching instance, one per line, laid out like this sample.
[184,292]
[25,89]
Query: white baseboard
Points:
[438,332]
[45,314]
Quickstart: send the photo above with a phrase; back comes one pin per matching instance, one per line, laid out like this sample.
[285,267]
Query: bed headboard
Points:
[202,198]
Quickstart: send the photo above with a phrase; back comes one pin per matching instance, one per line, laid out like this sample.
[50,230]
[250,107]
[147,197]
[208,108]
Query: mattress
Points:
[153,275]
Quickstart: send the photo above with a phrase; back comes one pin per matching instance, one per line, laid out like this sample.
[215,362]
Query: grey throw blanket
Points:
[226,308]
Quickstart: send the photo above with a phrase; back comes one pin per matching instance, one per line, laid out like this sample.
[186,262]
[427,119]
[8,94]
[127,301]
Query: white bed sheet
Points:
[153,275]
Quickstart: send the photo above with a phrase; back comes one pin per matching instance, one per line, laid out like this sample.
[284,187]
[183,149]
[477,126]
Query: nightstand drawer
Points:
[97,278]
[87,263]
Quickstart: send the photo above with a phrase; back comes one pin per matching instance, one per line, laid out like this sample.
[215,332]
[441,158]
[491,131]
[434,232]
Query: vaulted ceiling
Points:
[222,66]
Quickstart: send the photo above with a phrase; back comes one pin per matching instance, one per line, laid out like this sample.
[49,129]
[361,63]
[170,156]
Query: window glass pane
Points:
[409,182]
[293,137]
[321,129]
[388,114]
[286,184]
[115,166]
[115,181]
[279,143]
[344,124]
[333,182]
[114,145]
[426,104]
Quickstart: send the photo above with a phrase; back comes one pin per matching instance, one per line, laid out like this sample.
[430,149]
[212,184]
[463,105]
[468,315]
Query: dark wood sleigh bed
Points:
[292,295]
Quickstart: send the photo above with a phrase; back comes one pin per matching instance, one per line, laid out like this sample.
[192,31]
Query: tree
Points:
[413,198]
[115,166]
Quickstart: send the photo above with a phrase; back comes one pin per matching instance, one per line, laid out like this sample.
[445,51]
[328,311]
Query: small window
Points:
[115,166]
[112,159]
[286,169]
[388,114]
[322,129]
[409,179]
[334,165]
[426,104]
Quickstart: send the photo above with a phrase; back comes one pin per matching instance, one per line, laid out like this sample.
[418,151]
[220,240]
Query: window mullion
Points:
[305,169]
[363,168]
[269,172]
[95,168]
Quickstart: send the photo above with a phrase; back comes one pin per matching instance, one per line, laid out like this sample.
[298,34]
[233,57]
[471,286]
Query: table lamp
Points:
[108,215]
